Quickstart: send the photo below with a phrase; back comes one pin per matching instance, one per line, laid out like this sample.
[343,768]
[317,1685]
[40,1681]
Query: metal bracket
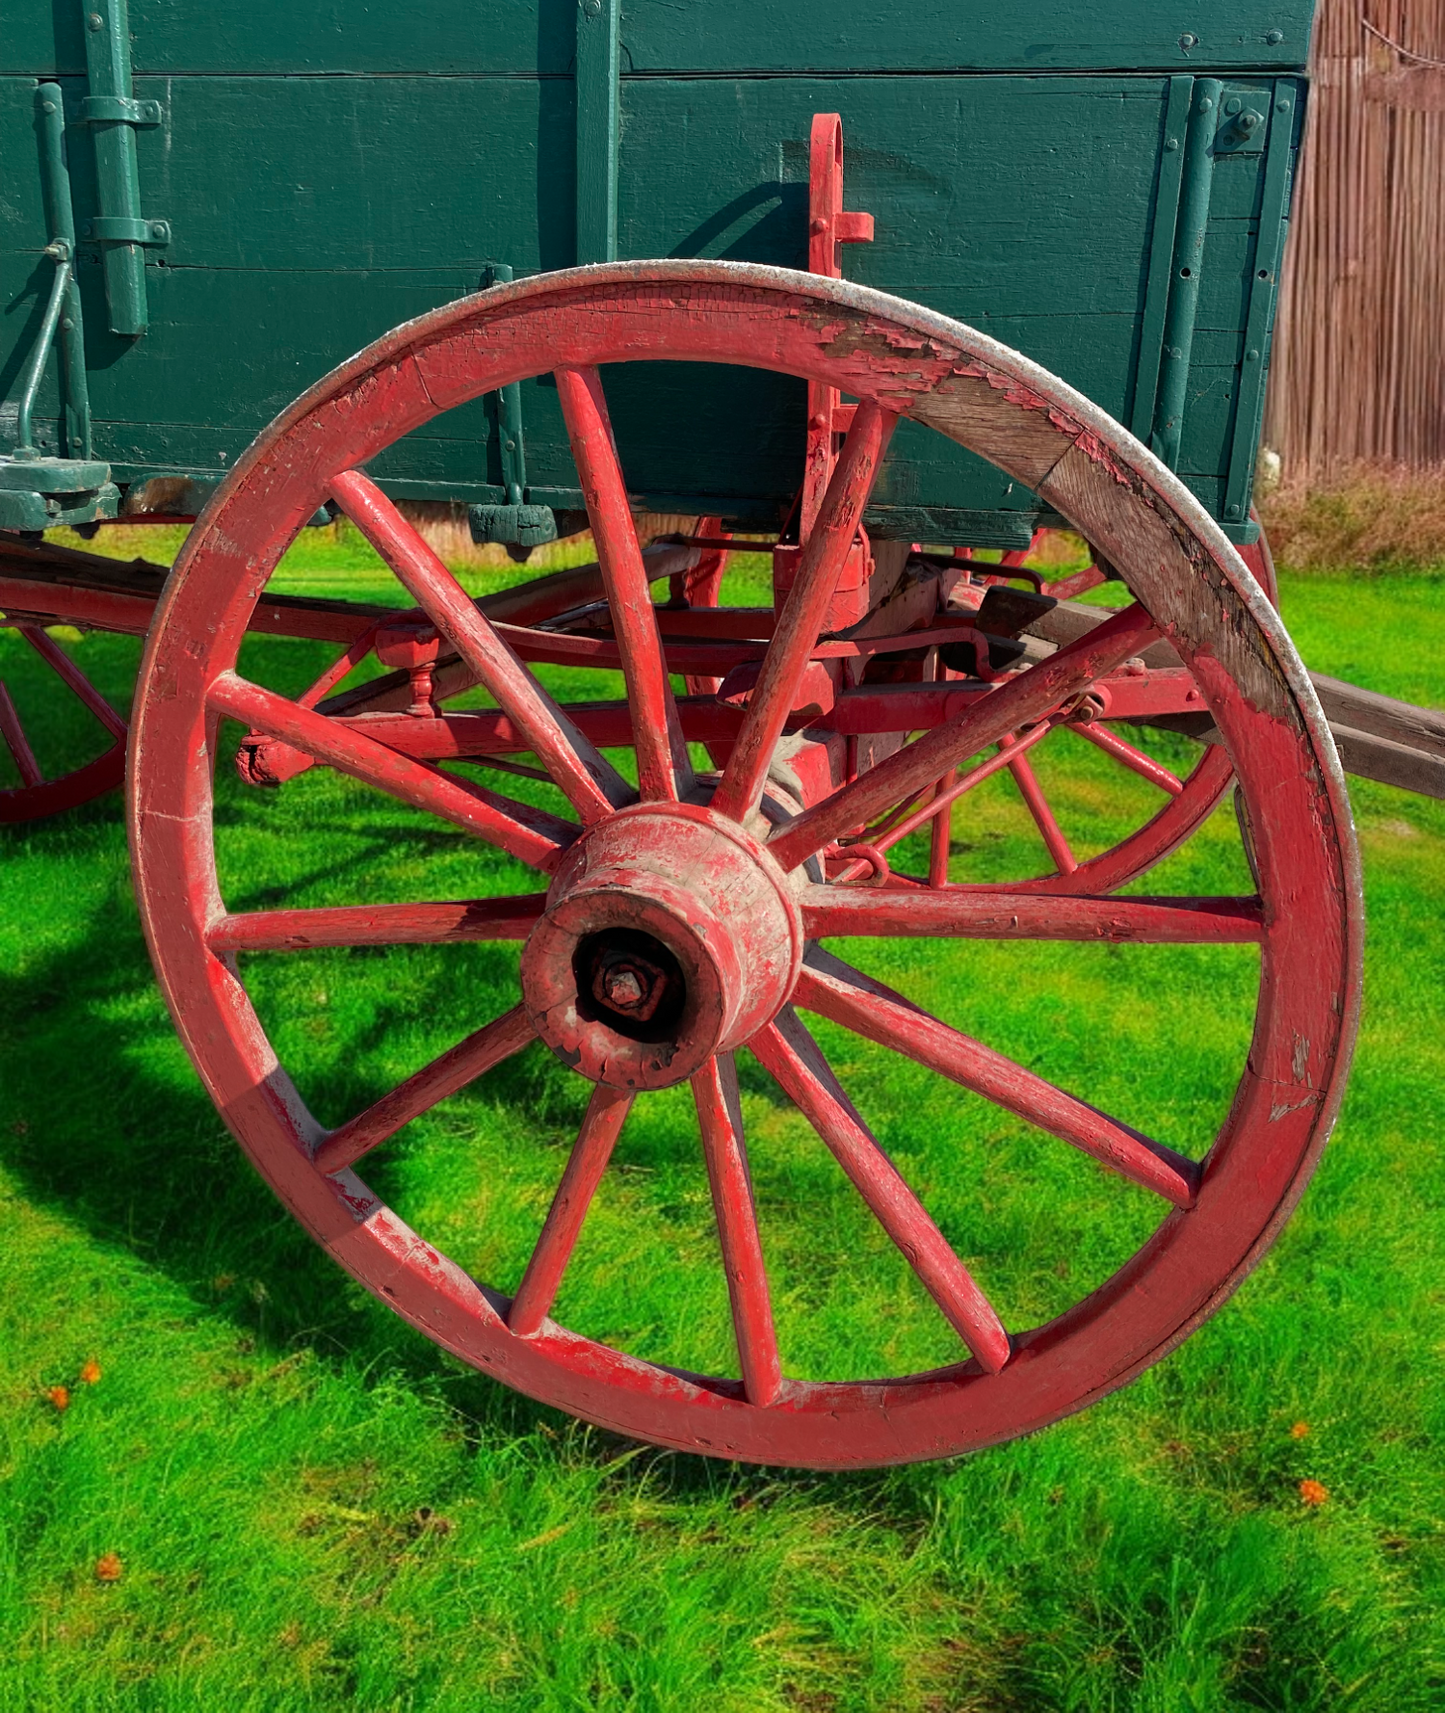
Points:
[1189,235]
[1244,129]
[829,228]
[123,229]
[120,110]
[517,523]
[1263,291]
[115,116]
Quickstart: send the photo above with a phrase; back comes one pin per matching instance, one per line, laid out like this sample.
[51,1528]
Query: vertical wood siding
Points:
[1359,354]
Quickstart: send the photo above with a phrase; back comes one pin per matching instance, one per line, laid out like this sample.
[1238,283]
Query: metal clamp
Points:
[118,110]
[123,229]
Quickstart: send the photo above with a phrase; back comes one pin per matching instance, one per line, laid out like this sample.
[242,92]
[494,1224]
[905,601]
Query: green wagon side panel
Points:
[310,213]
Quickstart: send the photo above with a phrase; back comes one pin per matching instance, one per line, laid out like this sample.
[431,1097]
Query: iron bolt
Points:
[95,21]
[629,983]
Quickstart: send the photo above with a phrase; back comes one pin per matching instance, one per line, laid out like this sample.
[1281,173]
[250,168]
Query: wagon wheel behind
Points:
[46,785]
[685,917]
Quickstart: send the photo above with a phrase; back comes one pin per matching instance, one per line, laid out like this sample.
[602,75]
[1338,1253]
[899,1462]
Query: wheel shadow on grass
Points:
[104,1125]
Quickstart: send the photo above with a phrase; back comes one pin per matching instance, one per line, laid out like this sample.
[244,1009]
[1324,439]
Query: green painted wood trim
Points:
[1263,292]
[598,128]
[1188,256]
[1161,255]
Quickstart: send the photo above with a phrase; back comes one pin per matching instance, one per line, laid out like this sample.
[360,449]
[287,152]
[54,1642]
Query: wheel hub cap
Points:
[669,935]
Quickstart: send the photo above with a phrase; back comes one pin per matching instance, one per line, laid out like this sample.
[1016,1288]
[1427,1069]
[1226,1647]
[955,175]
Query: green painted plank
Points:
[951,35]
[179,37]
[529,36]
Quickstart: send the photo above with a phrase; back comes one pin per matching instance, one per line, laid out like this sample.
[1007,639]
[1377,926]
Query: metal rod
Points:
[1189,239]
[74,387]
[36,366]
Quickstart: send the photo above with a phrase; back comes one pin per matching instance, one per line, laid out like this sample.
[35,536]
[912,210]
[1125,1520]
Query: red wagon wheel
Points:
[1186,801]
[38,795]
[680,925]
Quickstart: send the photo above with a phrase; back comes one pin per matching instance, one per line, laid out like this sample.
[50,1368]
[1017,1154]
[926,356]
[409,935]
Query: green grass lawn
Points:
[305,1505]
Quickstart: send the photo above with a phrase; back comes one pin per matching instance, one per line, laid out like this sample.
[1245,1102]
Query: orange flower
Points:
[108,1568]
[91,1372]
[1312,1493]
[1299,1430]
[59,1396]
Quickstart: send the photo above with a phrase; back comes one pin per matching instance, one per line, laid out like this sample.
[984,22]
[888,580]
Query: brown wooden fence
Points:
[1358,372]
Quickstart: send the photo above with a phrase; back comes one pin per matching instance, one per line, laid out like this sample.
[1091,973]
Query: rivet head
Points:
[95,21]
[1274,37]
[1251,356]
[1171,143]
[1233,105]
[1205,104]
[591,7]
[47,106]
[158,228]
[1188,40]
[1281,106]
[1234,511]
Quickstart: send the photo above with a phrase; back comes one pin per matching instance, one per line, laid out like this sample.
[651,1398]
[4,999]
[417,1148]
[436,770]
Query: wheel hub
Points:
[669,935]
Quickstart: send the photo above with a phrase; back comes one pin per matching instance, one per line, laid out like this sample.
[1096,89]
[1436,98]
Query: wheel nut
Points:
[624,990]
[629,983]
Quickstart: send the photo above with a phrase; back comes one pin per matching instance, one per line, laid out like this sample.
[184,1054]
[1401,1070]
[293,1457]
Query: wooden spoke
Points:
[601,1127]
[530,834]
[964,913]
[663,769]
[789,1054]
[1021,700]
[719,1115]
[16,741]
[1135,759]
[458,1066]
[1038,806]
[846,996]
[820,565]
[338,669]
[70,674]
[377,925]
[589,781]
